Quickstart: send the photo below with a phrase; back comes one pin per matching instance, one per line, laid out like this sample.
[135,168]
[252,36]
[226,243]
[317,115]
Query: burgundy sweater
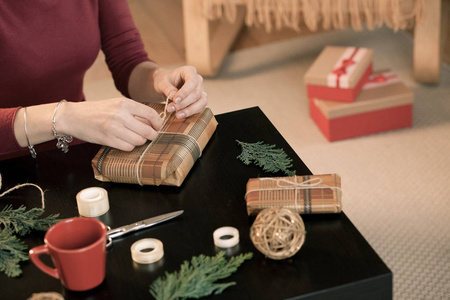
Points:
[46,46]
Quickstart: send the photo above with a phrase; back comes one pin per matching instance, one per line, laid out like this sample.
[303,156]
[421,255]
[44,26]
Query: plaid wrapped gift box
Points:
[165,161]
[385,103]
[339,73]
[309,194]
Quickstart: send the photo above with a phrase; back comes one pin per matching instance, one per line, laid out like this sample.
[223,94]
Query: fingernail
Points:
[181,115]
[171,108]
[177,100]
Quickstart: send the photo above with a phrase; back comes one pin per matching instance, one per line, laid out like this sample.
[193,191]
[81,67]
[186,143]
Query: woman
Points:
[46,46]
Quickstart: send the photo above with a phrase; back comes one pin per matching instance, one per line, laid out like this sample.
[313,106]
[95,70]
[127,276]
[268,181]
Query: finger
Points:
[191,81]
[189,100]
[140,131]
[148,114]
[121,138]
[194,108]
[120,144]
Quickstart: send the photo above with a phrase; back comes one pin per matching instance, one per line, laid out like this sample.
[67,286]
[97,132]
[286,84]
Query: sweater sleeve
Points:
[8,139]
[121,42]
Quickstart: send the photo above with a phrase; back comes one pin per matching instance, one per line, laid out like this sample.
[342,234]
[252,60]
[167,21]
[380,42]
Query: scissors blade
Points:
[116,232]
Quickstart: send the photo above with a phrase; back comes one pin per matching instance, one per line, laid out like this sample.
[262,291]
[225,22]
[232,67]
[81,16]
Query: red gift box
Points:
[339,73]
[385,103]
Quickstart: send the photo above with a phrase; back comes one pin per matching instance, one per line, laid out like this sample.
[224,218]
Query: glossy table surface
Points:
[335,261]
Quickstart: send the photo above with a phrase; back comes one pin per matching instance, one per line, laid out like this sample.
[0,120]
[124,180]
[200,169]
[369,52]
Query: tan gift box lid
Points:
[324,70]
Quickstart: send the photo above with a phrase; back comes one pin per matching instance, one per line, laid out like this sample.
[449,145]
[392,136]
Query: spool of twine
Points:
[278,233]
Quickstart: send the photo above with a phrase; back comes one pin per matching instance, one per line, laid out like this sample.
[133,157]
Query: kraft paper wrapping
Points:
[165,161]
[309,194]
[383,90]
[325,69]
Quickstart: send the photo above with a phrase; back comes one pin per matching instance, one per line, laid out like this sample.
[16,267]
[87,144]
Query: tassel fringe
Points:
[316,14]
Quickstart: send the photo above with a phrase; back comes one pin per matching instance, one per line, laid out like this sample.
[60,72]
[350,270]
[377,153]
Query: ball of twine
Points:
[278,233]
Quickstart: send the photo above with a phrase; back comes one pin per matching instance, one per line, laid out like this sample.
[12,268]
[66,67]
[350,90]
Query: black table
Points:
[335,261]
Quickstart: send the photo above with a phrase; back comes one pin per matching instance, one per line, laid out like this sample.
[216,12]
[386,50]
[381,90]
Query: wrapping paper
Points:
[339,73]
[385,103]
[165,161]
[309,194]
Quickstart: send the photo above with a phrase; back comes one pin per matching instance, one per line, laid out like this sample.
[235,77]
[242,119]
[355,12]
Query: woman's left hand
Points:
[184,86]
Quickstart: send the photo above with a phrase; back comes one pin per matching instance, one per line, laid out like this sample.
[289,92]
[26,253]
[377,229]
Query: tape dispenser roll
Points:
[92,202]
[220,237]
[147,257]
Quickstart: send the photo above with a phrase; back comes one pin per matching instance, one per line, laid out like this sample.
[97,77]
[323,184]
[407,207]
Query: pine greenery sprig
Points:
[197,278]
[19,221]
[266,156]
[12,252]
[22,222]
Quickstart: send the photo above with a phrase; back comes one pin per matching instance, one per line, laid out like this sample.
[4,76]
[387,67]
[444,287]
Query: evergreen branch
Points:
[22,222]
[266,156]
[197,278]
[19,221]
[11,253]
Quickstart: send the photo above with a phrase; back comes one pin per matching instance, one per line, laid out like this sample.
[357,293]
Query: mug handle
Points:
[34,255]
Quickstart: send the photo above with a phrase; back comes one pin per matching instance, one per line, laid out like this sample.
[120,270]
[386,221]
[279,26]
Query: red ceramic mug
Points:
[77,247]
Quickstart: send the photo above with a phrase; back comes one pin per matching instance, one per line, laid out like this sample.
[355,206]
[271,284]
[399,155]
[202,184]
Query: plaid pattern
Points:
[303,194]
[167,160]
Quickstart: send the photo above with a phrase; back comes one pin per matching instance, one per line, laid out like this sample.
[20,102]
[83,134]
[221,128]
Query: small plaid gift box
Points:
[309,194]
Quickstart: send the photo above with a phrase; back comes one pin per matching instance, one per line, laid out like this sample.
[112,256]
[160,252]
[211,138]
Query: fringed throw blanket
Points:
[329,14]
[165,161]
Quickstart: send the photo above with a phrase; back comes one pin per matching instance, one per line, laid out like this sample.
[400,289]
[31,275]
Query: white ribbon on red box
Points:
[380,80]
[339,77]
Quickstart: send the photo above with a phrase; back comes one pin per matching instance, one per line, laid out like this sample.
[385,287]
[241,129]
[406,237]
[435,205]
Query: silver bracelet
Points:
[30,147]
[63,141]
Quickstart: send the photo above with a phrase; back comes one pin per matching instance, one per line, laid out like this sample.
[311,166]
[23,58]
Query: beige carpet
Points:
[396,184]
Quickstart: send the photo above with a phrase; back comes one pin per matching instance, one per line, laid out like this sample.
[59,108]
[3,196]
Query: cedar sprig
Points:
[266,156]
[12,252]
[19,221]
[197,278]
[22,222]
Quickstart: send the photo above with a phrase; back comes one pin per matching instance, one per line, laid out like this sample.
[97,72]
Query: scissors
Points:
[119,231]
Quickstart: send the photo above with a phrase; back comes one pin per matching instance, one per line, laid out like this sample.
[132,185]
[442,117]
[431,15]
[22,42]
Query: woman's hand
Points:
[184,86]
[119,123]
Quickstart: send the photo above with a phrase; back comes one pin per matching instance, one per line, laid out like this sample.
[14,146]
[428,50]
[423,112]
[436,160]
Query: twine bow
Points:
[314,183]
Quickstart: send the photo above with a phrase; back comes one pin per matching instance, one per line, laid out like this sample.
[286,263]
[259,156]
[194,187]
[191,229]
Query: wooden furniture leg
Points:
[207,42]
[427,53]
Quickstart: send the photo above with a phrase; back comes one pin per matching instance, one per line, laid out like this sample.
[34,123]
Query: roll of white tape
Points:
[92,202]
[226,237]
[154,251]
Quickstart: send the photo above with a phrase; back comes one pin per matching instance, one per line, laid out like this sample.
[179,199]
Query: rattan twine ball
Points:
[278,233]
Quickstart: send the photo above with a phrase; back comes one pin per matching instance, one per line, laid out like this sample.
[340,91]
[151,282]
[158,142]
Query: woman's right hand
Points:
[119,123]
